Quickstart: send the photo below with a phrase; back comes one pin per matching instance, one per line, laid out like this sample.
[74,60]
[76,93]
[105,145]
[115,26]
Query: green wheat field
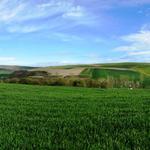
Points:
[68,118]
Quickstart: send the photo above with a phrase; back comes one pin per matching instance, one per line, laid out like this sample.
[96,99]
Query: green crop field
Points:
[143,68]
[96,73]
[42,117]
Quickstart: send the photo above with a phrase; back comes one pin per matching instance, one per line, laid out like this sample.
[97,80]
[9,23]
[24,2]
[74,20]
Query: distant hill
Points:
[136,75]
[5,70]
[100,70]
[140,67]
[134,71]
[14,68]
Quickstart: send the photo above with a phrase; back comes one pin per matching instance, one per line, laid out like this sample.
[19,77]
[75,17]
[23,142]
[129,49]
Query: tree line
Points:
[43,78]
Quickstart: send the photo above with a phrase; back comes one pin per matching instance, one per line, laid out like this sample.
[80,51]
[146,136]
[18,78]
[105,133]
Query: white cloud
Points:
[77,11]
[29,16]
[134,2]
[8,60]
[136,42]
[67,37]
[139,53]
[141,37]
[128,2]
[56,13]
[137,46]
[23,29]
[9,15]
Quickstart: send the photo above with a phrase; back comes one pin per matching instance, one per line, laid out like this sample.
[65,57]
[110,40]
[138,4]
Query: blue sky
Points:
[59,32]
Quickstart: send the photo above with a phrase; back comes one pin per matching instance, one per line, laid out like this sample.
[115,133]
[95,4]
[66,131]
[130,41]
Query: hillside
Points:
[5,70]
[95,75]
[116,68]
[62,71]
[14,68]
[140,67]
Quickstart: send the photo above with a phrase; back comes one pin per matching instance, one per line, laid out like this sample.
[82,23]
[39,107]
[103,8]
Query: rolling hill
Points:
[14,68]
[133,70]
[94,75]
[5,70]
[140,67]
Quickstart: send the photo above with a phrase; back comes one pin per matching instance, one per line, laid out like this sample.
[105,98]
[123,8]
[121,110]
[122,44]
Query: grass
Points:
[126,65]
[41,117]
[4,73]
[96,73]
[143,68]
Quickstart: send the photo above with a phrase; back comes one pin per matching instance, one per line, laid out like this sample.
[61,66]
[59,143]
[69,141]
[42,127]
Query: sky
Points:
[60,32]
